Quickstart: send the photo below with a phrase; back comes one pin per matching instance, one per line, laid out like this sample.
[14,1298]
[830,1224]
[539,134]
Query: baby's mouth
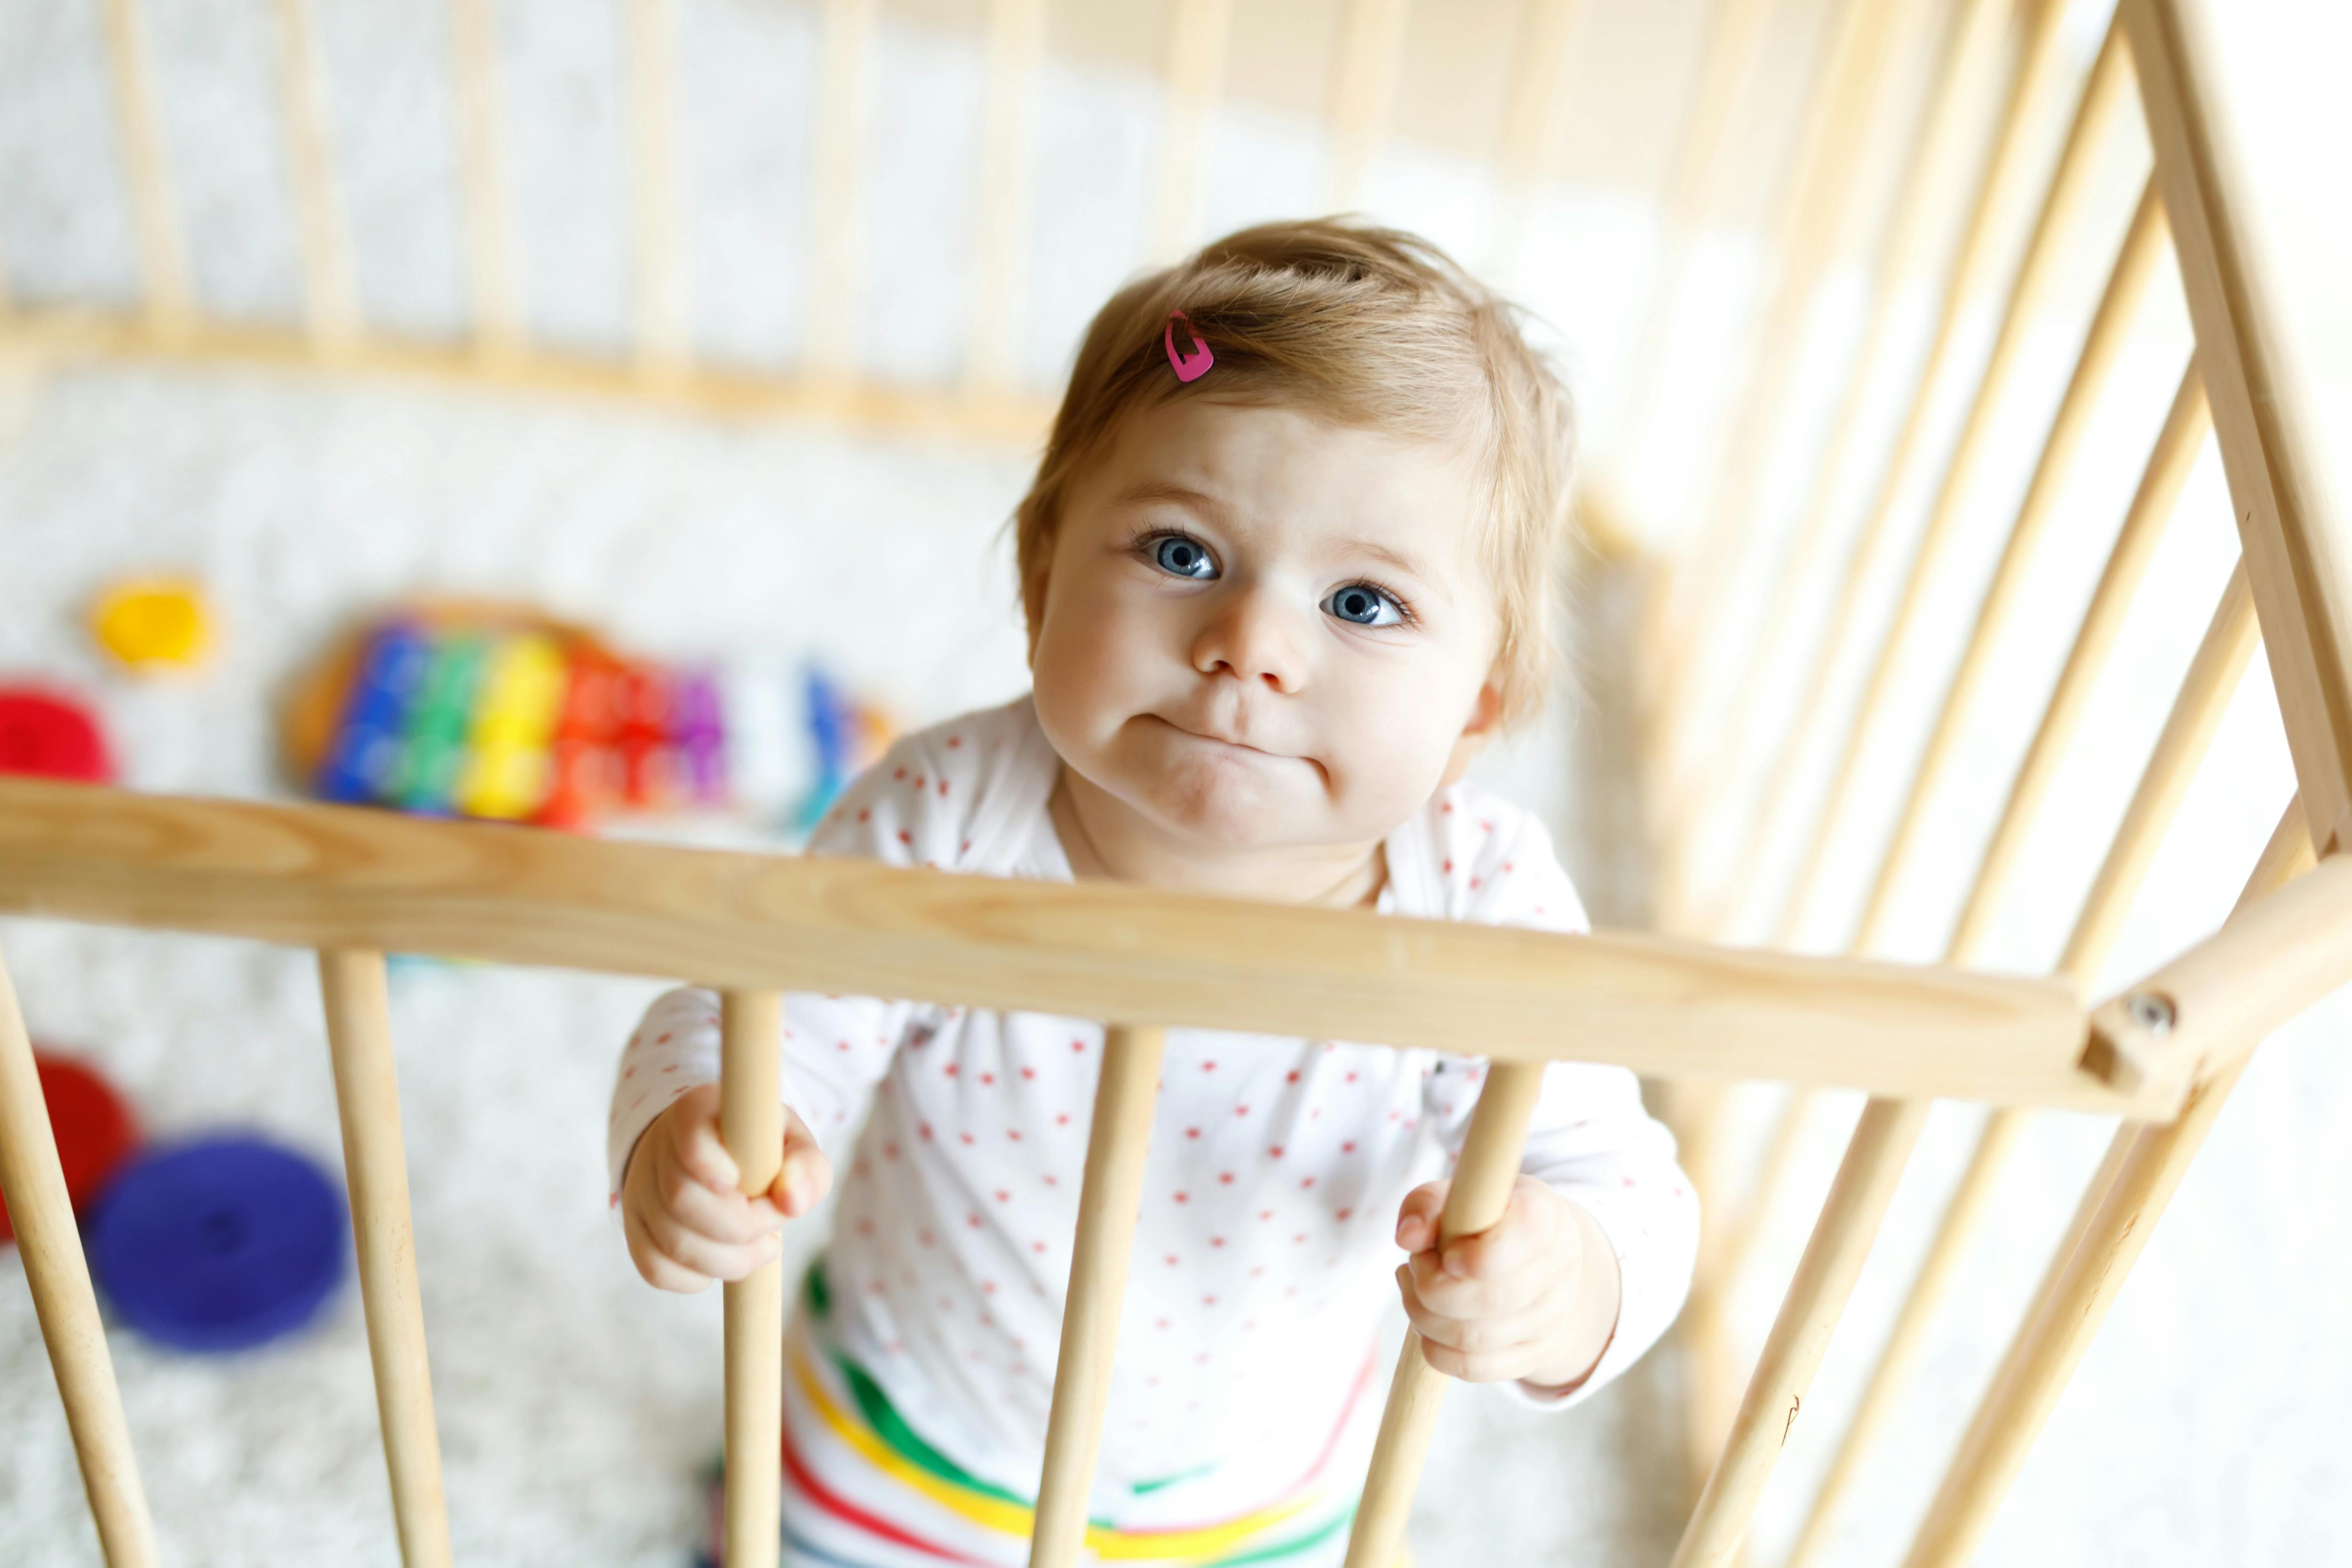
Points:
[1210,734]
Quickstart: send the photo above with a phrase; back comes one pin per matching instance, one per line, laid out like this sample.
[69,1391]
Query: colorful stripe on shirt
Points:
[865,1422]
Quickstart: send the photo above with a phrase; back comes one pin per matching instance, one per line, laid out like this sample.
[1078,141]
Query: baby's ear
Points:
[1485,723]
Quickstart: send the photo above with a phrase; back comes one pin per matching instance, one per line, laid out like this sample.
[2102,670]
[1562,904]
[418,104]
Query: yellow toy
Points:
[154,624]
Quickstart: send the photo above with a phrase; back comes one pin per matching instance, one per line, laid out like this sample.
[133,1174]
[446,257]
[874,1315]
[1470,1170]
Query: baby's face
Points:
[1260,629]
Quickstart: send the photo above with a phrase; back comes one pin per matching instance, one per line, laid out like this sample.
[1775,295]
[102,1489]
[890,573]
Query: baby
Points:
[1287,566]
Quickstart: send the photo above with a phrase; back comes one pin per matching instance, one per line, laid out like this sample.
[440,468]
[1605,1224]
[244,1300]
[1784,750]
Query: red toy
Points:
[51,736]
[94,1129]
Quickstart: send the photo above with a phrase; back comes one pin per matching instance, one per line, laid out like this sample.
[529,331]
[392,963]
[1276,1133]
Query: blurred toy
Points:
[219,1245]
[93,1127]
[494,712]
[50,735]
[153,623]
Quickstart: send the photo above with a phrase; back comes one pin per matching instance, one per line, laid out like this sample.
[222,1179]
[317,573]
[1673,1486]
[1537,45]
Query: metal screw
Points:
[2150,1011]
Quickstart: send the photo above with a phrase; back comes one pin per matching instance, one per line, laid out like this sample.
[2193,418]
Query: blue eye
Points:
[1361,605]
[1181,557]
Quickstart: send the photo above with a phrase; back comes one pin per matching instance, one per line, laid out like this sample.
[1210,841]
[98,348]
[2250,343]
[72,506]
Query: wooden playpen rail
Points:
[354,883]
[2163,1056]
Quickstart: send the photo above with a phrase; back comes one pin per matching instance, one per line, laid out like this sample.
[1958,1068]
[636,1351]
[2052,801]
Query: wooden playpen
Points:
[2162,1055]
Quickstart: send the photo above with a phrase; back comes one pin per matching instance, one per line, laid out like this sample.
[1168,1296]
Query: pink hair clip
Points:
[1188,366]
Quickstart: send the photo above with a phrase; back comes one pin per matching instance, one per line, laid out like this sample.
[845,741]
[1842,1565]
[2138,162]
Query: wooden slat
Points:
[996,421]
[1683,790]
[1972,275]
[2204,698]
[2296,536]
[1365,69]
[1826,164]
[662,341]
[1008,187]
[1200,32]
[2100,109]
[1532,106]
[162,253]
[346,877]
[2153,506]
[375,1167]
[2118,1213]
[2135,269]
[751,1125]
[482,163]
[330,304]
[58,1275]
[1475,1202]
[1701,162]
[838,217]
[1109,1202]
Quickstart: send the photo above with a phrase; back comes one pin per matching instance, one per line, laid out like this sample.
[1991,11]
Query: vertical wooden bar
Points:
[481,146]
[162,257]
[1198,34]
[2144,1167]
[1008,184]
[2297,535]
[2143,250]
[661,296]
[838,220]
[1889,1128]
[1531,124]
[331,305]
[1109,1202]
[751,1125]
[2102,108]
[2153,505]
[58,1275]
[1481,1191]
[367,1099]
[2204,698]
[1363,91]
[1971,276]
[1865,1184]
[1827,161]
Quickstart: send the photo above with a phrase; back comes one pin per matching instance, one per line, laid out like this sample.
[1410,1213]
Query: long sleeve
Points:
[907,810]
[1590,1137]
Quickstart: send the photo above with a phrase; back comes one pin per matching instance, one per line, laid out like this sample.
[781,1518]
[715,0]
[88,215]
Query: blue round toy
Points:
[219,1245]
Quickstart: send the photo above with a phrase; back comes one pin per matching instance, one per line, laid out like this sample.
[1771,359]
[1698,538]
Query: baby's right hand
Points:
[682,1207]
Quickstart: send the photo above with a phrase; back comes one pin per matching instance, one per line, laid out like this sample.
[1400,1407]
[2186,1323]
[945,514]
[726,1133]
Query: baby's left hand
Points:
[1534,1298]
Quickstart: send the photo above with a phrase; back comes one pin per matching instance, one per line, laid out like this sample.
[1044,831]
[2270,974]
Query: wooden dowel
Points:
[1109,1202]
[1008,184]
[2104,104]
[998,422]
[481,148]
[1702,157]
[838,216]
[751,1125]
[1475,1201]
[375,1166]
[2144,248]
[1531,118]
[330,304]
[1369,60]
[2217,1000]
[2153,506]
[162,255]
[339,876]
[2187,735]
[58,1275]
[1829,144]
[1200,32]
[1971,274]
[2144,1167]
[2292,521]
[1867,1180]
[662,339]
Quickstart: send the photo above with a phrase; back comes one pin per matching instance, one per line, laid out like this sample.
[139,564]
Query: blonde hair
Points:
[1373,327]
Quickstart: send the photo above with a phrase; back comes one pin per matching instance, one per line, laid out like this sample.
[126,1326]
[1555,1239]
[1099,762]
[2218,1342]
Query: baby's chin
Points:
[1226,805]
